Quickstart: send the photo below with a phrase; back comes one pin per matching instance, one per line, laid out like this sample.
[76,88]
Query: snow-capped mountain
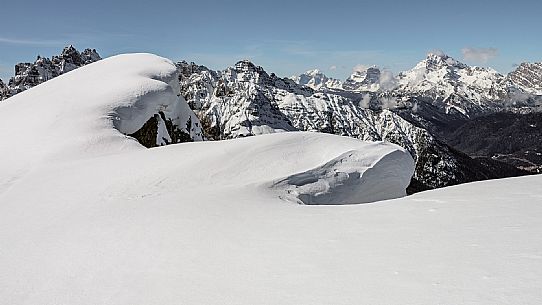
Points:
[28,75]
[317,80]
[245,100]
[453,87]
[363,80]
[528,77]
[371,105]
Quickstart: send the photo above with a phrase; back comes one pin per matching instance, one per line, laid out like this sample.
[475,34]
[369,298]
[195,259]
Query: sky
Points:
[285,37]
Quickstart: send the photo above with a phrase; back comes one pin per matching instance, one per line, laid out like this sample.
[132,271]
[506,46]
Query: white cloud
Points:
[365,102]
[482,55]
[6,40]
[388,103]
[387,80]
[333,68]
[415,108]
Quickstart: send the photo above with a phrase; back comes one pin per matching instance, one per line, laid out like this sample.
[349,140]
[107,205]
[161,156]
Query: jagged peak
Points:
[438,59]
[313,72]
[69,49]
[246,65]
[528,65]
[372,70]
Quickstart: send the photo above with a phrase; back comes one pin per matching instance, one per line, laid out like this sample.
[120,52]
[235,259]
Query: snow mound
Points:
[353,177]
[89,111]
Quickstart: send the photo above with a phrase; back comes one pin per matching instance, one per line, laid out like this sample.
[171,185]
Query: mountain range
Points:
[89,216]
[423,109]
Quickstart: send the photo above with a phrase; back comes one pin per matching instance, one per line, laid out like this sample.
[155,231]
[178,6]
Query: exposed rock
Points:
[245,100]
[149,134]
[528,77]
[364,80]
[28,75]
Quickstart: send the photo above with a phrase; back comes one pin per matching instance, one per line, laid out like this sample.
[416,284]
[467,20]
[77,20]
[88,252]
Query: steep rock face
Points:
[28,75]
[244,100]
[236,102]
[528,77]
[4,90]
[366,80]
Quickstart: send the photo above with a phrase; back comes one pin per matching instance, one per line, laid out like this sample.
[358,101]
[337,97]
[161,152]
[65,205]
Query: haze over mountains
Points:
[419,109]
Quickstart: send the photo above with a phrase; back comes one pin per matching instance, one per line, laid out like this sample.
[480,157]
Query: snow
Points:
[74,114]
[316,80]
[88,216]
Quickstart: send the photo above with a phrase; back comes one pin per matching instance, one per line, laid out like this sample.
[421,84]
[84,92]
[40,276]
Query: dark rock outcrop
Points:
[28,75]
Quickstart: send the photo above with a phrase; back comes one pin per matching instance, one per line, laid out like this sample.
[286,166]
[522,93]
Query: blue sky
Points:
[285,37]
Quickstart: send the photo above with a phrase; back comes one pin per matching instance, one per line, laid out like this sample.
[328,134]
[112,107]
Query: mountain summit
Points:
[316,79]
[28,75]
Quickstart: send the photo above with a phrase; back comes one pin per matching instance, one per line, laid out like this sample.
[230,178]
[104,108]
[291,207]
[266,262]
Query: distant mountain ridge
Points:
[417,109]
[244,100]
[28,75]
[454,87]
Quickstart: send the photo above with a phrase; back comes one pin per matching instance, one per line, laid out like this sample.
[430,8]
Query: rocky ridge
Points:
[28,75]
[414,109]
[245,100]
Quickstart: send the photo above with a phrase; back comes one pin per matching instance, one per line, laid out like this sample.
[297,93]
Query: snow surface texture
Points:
[90,217]
[368,174]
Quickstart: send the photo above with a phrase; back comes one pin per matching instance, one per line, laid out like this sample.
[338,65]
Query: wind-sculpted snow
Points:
[90,110]
[357,176]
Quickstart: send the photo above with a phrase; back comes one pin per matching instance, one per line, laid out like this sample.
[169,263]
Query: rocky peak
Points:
[187,69]
[246,65]
[70,55]
[363,80]
[438,60]
[316,80]
[3,90]
[247,72]
[528,77]
[28,75]
[89,56]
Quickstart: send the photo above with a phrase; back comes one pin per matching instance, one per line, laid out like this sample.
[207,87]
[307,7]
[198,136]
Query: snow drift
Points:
[374,173]
[88,216]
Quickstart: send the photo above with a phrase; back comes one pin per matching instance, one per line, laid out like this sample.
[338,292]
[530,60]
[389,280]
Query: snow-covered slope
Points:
[88,216]
[452,86]
[528,77]
[74,114]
